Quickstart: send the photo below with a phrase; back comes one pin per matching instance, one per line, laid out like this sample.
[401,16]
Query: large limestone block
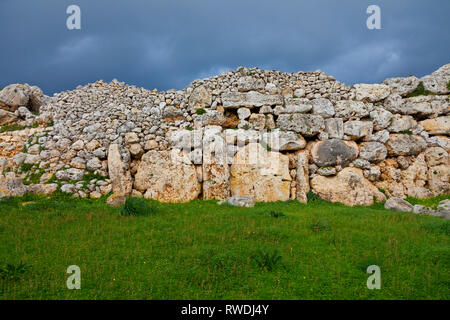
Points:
[414,178]
[371,92]
[357,129]
[333,152]
[260,173]
[200,98]
[372,151]
[7,117]
[303,176]
[118,174]
[349,187]
[283,140]
[249,99]
[305,124]
[402,86]
[437,81]
[167,177]
[216,173]
[349,109]
[437,126]
[405,145]
[11,186]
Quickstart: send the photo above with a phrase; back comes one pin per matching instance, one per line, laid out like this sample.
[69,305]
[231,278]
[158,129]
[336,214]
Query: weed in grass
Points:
[13,272]
[319,225]
[277,214]
[267,259]
[136,207]
[311,196]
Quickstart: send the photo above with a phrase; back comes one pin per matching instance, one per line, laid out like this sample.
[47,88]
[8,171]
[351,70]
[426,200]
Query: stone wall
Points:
[267,134]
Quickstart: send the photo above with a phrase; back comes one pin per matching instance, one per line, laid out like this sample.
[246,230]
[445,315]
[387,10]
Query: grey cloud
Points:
[168,43]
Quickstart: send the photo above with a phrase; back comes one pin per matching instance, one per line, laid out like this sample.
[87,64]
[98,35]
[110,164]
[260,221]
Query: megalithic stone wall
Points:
[267,134]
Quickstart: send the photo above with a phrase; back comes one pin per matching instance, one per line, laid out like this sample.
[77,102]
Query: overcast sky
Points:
[168,43]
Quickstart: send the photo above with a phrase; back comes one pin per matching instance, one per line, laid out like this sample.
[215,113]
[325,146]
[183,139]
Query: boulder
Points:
[283,140]
[333,152]
[335,128]
[200,98]
[402,86]
[216,173]
[405,145]
[21,95]
[323,107]
[11,186]
[401,123]
[437,126]
[118,174]
[372,151]
[294,105]
[381,118]
[349,109]
[303,176]
[437,82]
[7,117]
[348,187]
[305,124]
[167,177]
[260,173]
[398,204]
[371,92]
[357,129]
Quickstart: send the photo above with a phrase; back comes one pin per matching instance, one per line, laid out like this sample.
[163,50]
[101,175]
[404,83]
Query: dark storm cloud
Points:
[167,44]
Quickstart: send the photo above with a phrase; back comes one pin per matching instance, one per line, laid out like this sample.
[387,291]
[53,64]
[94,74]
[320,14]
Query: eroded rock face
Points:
[373,151]
[283,140]
[349,187]
[437,126]
[7,117]
[167,177]
[402,86]
[20,95]
[260,173]
[405,145]
[303,176]
[371,92]
[120,177]
[438,80]
[200,98]
[308,125]
[333,152]
[349,109]
[11,186]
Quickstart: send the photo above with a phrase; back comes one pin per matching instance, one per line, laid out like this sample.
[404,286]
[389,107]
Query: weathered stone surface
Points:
[216,173]
[11,186]
[401,123]
[323,107]
[405,145]
[414,178]
[71,174]
[333,152]
[372,151]
[356,129]
[439,179]
[438,80]
[257,121]
[305,124]
[402,86]
[260,173]
[302,176]
[349,109]
[283,140]
[381,118]
[247,83]
[335,128]
[200,98]
[14,96]
[349,187]
[398,204]
[167,177]
[420,105]
[118,174]
[436,156]
[7,117]
[437,126]
[371,92]
[249,99]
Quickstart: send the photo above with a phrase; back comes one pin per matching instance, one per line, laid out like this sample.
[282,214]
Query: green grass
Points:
[12,127]
[420,91]
[201,250]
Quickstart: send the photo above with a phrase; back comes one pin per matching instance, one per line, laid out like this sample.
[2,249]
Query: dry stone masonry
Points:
[247,134]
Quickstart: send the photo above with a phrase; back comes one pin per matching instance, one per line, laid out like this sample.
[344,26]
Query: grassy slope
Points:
[201,250]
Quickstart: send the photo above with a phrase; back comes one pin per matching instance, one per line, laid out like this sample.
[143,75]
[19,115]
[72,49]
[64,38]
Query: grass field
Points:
[201,250]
